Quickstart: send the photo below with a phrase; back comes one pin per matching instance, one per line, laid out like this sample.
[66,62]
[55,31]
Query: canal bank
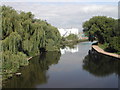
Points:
[79,69]
[99,50]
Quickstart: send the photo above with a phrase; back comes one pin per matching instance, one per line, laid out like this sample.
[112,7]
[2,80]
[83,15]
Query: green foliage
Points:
[11,62]
[23,36]
[72,37]
[105,29]
[103,46]
[12,42]
[36,71]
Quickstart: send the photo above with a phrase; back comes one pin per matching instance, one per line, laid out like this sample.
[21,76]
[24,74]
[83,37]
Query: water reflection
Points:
[100,65]
[35,73]
[69,72]
[71,49]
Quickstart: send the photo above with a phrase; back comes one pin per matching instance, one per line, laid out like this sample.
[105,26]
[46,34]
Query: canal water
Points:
[73,67]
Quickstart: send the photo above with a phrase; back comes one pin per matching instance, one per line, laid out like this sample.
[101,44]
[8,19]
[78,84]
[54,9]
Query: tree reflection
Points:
[35,72]
[101,65]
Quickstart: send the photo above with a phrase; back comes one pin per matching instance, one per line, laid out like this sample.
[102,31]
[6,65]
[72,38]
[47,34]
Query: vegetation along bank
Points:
[106,31]
[22,37]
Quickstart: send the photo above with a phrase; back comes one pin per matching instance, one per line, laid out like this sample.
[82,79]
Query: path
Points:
[98,49]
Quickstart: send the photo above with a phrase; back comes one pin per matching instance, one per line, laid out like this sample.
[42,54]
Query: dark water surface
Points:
[71,68]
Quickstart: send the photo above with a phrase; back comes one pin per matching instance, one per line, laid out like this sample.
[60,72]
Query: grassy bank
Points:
[105,48]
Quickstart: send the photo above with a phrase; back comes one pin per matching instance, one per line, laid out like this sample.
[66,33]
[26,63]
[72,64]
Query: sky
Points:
[60,0]
[66,13]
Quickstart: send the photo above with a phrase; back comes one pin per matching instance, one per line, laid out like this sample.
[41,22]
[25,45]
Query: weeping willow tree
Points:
[23,36]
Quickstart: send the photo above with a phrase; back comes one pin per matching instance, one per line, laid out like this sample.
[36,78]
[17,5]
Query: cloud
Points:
[66,15]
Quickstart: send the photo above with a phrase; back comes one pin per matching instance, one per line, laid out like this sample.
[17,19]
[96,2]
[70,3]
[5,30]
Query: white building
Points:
[66,32]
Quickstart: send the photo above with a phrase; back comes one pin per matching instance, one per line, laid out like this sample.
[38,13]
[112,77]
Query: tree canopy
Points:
[24,36]
[105,29]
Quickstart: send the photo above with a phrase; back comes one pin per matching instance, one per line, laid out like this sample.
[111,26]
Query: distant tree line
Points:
[24,36]
[105,30]
[72,37]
